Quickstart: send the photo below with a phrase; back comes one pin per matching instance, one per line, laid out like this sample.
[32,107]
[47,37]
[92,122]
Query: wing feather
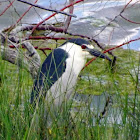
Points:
[52,69]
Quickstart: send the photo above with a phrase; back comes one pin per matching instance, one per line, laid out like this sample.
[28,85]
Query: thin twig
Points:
[78,1]
[3,1]
[37,48]
[55,29]
[63,38]
[7,7]
[13,26]
[52,10]
[48,37]
[113,19]
[129,20]
[112,49]
[121,45]
[126,6]
[25,13]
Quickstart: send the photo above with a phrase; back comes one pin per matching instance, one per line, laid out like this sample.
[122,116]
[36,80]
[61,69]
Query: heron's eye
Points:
[83,46]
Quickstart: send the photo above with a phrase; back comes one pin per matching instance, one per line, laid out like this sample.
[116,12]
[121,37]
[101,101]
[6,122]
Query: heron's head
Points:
[81,48]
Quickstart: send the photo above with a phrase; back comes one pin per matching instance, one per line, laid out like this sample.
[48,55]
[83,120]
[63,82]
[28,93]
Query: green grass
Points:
[18,120]
[99,76]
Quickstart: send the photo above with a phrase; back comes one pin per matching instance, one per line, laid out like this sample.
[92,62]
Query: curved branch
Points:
[129,20]
[30,60]
[23,61]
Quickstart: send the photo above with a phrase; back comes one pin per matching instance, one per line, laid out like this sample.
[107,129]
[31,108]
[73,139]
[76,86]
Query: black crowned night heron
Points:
[59,72]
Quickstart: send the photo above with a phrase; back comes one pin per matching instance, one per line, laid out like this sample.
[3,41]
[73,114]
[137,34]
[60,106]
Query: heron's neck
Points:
[76,60]
[76,64]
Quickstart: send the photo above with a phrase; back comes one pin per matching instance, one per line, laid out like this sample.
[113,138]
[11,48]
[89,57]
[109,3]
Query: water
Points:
[97,103]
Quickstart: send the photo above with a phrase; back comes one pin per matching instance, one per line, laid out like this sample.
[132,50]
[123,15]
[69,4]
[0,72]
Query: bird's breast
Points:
[64,86]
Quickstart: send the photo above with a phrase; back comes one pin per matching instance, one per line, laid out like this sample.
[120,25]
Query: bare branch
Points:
[30,60]
[48,37]
[129,20]
[114,18]
[25,13]
[52,28]
[13,56]
[68,20]
[52,10]
[78,1]
[7,7]
[113,48]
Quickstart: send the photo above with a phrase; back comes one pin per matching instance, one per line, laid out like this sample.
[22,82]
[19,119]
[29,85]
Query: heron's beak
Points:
[97,53]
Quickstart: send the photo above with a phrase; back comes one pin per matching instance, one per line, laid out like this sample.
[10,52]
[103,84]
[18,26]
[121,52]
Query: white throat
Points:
[76,59]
